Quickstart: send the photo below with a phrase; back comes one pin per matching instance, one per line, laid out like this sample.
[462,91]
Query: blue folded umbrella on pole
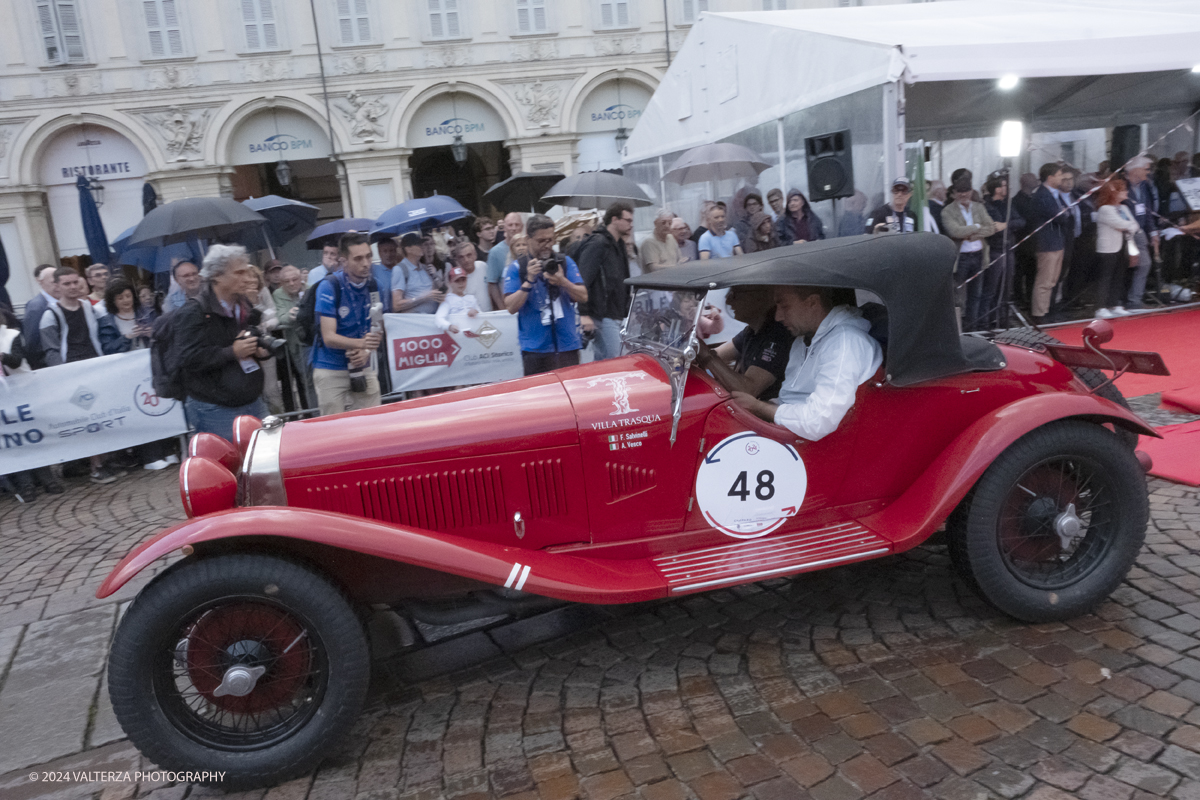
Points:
[331,232]
[93,227]
[413,215]
[155,259]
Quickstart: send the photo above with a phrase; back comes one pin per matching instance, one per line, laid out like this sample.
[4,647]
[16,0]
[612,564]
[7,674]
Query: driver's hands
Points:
[588,324]
[746,401]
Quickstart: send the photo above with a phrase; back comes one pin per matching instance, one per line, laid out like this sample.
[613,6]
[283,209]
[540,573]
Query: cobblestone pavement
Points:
[888,680]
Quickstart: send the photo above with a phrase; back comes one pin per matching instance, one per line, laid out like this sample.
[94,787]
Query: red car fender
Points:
[912,517]
[559,575]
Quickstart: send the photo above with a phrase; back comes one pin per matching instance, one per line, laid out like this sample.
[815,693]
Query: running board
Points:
[753,560]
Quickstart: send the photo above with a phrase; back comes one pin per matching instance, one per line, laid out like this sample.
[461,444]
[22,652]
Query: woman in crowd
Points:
[125,310]
[151,302]
[799,223]
[761,234]
[1114,227]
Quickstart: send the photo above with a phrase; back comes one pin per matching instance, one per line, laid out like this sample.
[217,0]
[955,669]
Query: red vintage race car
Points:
[614,482]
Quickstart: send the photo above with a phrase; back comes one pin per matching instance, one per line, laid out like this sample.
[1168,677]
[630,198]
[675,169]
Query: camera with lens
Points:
[552,265]
[267,342]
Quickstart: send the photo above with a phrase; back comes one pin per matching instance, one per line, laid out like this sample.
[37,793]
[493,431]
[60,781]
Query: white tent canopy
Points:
[736,71]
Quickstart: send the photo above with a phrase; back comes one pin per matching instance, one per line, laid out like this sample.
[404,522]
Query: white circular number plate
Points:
[749,485]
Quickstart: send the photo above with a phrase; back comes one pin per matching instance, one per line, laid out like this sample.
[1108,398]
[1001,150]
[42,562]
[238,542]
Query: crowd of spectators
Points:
[248,342]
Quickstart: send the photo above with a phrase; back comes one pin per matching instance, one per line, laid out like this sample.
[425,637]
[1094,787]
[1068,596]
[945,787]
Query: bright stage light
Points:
[1012,136]
[1007,82]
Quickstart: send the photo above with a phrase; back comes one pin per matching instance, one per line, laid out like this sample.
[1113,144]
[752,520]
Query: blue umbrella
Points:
[4,298]
[412,215]
[93,227]
[330,232]
[155,259]
[286,219]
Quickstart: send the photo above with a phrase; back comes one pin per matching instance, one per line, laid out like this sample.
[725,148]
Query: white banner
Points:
[83,409]
[423,356]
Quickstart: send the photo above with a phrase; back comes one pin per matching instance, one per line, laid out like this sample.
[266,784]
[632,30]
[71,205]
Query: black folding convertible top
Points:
[911,272]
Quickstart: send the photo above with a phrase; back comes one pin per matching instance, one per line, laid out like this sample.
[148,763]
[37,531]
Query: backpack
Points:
[165,369]
[308,330]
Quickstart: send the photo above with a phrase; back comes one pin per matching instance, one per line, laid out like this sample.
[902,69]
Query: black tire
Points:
[1008,542]
[183,633]
[1036,340]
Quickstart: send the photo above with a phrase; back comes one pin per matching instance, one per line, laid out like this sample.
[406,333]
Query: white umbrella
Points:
[596,190]
[716,162]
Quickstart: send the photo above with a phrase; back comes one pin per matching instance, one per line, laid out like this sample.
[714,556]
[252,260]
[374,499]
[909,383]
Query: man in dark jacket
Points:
[31,328]
[1049,240]
[604,266]
[218,353]
[998,279]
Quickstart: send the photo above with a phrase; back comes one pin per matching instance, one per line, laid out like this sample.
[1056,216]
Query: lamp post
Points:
[1012,138]
[283,173]
[459,150]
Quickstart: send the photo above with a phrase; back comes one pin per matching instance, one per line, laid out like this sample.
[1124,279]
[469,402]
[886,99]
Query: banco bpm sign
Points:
[283,142]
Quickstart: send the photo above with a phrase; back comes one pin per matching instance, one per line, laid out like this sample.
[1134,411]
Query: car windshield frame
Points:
[661,325]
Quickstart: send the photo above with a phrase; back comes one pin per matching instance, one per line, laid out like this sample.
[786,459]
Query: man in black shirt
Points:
[759,353]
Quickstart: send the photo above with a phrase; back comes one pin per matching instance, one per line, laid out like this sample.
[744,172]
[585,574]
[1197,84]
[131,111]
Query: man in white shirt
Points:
[823,377]
[464,256]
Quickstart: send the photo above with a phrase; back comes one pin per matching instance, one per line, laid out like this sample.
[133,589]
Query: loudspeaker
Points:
[830,166]
[1126,142]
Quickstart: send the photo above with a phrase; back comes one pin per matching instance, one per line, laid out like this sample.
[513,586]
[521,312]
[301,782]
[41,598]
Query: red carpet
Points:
[1173,334]
[1177,455]
[1186,400]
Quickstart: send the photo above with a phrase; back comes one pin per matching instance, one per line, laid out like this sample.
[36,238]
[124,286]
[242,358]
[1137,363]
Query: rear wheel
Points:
[1036,340]
[1055,523]
[243,664]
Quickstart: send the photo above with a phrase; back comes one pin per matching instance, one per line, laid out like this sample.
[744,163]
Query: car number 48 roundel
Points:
[748,485]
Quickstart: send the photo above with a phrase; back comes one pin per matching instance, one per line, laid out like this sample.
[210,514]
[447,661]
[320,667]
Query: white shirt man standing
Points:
[823,377]
[464,256]
[661,250]
[498,258]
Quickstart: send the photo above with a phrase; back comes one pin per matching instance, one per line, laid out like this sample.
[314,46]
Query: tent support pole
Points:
[779,143]
[893,129]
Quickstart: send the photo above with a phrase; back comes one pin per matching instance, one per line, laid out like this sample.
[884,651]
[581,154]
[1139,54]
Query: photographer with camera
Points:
[219,350]
[350,312]
[542,289]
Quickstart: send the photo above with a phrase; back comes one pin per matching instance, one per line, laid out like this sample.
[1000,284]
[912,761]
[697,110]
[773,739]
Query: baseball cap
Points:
[274,265]
[902,181]
[457,272]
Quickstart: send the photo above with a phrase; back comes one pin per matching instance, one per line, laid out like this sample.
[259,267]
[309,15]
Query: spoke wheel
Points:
[250,665]
[234,637]
[1054,524]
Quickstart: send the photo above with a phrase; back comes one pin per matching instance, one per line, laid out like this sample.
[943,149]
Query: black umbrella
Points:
[597,190]
[523,192]
[195,218]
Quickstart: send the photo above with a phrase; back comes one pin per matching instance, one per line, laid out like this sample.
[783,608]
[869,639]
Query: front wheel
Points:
[246,665]
[1055,523]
